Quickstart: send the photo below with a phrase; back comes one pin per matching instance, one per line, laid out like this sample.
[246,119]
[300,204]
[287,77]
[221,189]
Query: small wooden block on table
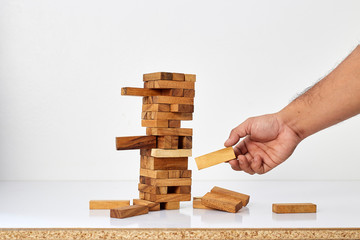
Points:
[128,211]
[294,208]
[153,206]
[221,202]
[211,159]
[107,204]
[197,203]
[243,197]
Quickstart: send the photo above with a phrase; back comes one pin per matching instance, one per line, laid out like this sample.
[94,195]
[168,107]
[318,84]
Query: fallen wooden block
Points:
[135,142]
[243,197]
[221,202]
[294,208]
[197,203]
[130,91]
[170,153]
[107,204]
[169,131]
[211,159]
[128,211]
[153,206]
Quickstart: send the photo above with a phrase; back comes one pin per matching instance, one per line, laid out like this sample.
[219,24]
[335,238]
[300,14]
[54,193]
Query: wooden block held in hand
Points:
[170,153]
[135,142]
[197,203]
[294,208]
[153,206]
[243,197]
[129,91]
[211,159]
[221,202]
[157,76]
[129,211]
[108,204]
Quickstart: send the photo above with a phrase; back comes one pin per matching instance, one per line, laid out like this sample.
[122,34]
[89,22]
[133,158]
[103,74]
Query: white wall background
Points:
[63,63]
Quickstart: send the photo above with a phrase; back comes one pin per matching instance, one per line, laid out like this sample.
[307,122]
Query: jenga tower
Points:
[168,98]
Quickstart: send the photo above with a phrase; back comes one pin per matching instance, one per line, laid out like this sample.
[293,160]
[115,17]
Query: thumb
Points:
[239,132]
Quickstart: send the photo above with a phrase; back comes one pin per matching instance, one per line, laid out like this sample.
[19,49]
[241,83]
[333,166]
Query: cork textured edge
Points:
[179,233]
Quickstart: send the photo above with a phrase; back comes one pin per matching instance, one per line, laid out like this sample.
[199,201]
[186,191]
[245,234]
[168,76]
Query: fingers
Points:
[235,165]
[240,131]
[257,165]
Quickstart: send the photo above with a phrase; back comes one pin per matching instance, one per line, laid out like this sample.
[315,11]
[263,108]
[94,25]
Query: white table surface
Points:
[66,205]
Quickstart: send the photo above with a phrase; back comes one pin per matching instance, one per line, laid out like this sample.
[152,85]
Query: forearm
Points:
[332,100]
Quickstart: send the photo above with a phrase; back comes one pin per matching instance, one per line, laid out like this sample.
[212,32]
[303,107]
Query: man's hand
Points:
[269,142]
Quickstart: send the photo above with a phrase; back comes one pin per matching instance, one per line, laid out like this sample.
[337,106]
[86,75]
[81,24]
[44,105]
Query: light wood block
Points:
[243,197]
[108,204]
[128,211]
[166,116]
[170,153]
[155,123]
[189,93]
[167,197]
[157,76]
[185,142]
[160,84]
[211,159]
[130,91]
[164,163]
[144,188]
[221,202]
[167,100]
[163,190]
[294,208]
[141,195]
[178,77]
[153,206]
[175,92]
[174,123]
[169,131]
[156,107]
[167,142]
[190,77]
[170,182]
[135,142]
[165,174]
[170,205]
[185,108]
[197,203]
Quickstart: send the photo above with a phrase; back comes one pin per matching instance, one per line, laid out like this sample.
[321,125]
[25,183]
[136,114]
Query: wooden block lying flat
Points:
[174,124]
[155,123]
[170,182]
[294,208]
[178,77]
[160,84]
[190,77]
[129,211]
[169,131]
[170,205]
[175,92]
[153,206]
[170,153]
[164,189]
[221,202]
[135,142]
[164,163]
[144,188]
[166,116]
[243,197]
[108,204]
[197,203]
[129,91]
[211,159]
[167,197]
[164,174]
[182,108]
[168,100]
[156,107]
[185,142]
[157,76]
[189,93]
[167,142]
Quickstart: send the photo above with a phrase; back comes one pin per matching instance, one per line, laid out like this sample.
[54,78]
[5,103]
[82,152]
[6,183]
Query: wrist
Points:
[292,119]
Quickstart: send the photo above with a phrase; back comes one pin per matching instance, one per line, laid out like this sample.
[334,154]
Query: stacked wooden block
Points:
[168,99]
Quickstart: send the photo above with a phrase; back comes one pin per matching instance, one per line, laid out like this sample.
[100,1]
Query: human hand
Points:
[268,142]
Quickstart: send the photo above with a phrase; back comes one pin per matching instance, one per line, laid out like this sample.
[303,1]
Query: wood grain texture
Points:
[175,92]
[148,188]
[135,142]
[185,142]
[166,116]
[156,107]
[155,123]
[168,100]
[170,182]
[128,211]
[169,205]
[167,142]
[157,76]
[169,131]
[190,77]
[165,174]
[167,197]
[221,202]
[107,204]
[161,84]
[130,91]
[243,197]
[178,77]
[189,93]
[197,203]
[174,123]
[211,159]
[170,153]
[294,208]
[164,163]
[185,108]
[153,206]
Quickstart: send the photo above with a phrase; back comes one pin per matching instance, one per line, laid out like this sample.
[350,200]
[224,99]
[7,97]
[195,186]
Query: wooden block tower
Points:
[168,98]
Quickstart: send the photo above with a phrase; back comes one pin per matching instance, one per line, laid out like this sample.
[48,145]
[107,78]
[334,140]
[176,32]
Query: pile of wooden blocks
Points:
[168,98]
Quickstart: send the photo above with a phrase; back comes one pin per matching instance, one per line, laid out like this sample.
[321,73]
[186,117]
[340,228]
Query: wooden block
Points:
[169,205]
[144,188]
[154,173]
[221,202]
[155,123]
[178,77]
[185,142]
[166,116]
[174,124]
[170,153]
[163,190]
[294,208]
[167,142]
[129,91]
[175,92]
[128,211]
[169,131]
[167,197]
[145,152]
[156,107]
[189,93]
[211,159]
[157,76]
[185,108]
[183,189]
[164,163]
[168,100]
[170,182]
[153,206]
[160,84]
[135,142]
[243,197]
[107,204]
[197,203]
[141,195]
[190,77]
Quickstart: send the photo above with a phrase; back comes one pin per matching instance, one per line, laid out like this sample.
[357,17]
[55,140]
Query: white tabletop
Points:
[66,205]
